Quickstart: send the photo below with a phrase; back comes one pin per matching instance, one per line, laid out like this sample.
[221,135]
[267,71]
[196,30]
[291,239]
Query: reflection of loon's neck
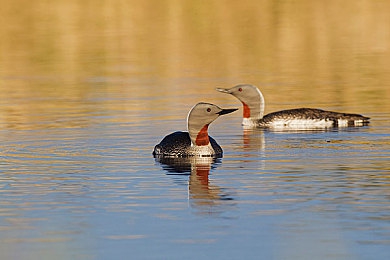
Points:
[254,145]
[202,194]
[201,171]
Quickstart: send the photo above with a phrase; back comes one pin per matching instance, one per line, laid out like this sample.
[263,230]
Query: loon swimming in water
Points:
[300,118]
[195,142]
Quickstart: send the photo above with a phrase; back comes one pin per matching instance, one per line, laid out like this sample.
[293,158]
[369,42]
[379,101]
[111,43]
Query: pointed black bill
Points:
[226,111]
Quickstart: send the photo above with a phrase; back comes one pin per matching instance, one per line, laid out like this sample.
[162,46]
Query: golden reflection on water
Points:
[57,56]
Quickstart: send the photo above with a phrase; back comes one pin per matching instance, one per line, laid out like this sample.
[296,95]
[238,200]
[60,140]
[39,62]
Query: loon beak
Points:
[224,90]
[226,111]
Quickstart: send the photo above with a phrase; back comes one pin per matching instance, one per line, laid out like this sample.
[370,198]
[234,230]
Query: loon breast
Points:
[311,118]
[178,144]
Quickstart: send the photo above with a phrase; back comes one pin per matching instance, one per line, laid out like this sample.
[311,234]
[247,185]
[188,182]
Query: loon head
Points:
[199,118]
[251,98]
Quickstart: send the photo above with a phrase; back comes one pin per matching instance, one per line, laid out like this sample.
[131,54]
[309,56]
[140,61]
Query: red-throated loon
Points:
[300,118]
[195,142]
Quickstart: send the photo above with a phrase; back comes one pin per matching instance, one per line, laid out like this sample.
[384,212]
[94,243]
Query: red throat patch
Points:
[247,111]
[203,136]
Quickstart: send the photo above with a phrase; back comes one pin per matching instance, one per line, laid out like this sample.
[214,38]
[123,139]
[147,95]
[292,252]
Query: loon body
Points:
[178,144]
[195,142]
[300,118]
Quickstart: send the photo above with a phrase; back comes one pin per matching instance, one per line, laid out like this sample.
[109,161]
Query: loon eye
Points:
[208,109]
[240,89]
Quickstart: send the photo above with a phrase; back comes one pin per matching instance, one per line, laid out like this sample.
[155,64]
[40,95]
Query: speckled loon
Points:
[195,142]
[300,118]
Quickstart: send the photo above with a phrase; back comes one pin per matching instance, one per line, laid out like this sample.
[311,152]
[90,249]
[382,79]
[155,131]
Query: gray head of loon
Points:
[199,118]
[251,98]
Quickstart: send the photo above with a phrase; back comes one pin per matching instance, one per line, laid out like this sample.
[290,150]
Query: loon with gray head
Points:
[300,118]
[195,142]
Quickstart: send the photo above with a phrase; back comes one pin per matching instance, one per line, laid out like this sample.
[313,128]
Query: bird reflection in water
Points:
[253,140]
[206,197]
[251,149]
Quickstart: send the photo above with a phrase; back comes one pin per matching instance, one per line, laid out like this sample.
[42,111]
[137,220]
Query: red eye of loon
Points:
[208,109]
[240,89]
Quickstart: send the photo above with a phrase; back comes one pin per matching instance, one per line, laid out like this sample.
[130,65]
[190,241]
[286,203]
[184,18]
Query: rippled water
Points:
[83,102]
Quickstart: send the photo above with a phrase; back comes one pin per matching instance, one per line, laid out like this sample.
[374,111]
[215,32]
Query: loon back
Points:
[311,117]
[178,144]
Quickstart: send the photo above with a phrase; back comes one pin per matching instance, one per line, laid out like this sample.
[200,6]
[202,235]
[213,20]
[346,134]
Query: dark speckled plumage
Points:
[178,144]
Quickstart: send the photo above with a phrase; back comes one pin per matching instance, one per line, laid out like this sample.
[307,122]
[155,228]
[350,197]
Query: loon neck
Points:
[253,107]
[199,135]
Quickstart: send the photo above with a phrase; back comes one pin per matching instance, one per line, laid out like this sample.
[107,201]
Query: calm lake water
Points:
[87,90]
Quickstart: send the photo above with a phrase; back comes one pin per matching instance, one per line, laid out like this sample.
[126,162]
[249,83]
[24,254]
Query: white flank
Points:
[203,150]
[300,123]
[342,122]
[358,122]
[247,122]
